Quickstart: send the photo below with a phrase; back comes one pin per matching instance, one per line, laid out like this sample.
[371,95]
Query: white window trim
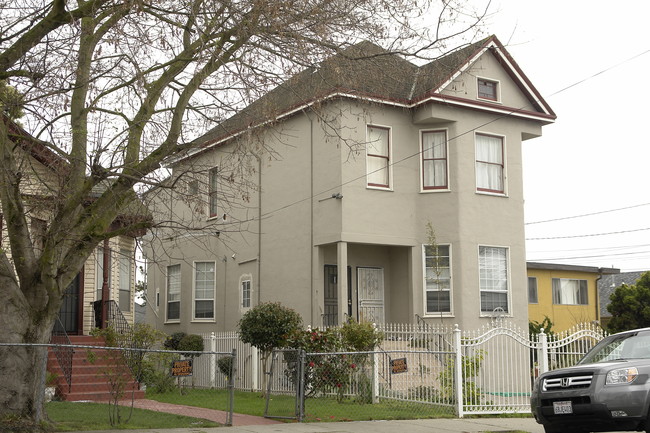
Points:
[505,166]
[508,279]
[498,92]
[434,190]
[390,157]
[249,278]
[214,297]
[166,303]
[450,313]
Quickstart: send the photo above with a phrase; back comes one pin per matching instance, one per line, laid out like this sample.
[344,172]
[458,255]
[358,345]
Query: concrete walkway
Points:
[256,424]
[475,425]
[198,412]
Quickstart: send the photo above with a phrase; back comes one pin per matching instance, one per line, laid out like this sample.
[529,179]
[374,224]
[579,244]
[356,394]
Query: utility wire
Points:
[506,115]
[587,214]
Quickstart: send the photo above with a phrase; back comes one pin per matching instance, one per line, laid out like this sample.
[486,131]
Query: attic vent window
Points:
[488,89]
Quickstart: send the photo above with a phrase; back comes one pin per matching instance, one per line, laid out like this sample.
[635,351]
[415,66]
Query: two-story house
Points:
[320,196]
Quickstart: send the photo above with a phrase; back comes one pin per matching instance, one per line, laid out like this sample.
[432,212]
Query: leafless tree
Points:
[110,89]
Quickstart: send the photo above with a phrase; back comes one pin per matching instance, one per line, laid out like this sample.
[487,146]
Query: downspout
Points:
[311,216]
[600,276]
[259,227]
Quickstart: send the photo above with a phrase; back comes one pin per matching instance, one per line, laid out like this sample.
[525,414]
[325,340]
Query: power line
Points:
[587,214]
[587,235]
[506,115]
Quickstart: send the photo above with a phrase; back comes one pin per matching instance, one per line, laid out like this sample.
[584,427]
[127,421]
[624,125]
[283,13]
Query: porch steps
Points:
[94,373]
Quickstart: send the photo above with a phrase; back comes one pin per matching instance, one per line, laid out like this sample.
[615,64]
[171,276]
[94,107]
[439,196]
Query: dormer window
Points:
[488,89]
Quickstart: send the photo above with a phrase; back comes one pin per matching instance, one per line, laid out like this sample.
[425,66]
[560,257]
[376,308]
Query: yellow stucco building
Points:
[566,294]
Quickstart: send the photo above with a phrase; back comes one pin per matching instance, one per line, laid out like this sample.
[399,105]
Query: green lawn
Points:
[73,416]
[316,409]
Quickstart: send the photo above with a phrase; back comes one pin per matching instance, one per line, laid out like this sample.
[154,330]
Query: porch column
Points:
[342,280]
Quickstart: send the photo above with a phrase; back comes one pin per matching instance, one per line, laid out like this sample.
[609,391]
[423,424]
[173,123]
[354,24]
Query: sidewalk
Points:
[463,425]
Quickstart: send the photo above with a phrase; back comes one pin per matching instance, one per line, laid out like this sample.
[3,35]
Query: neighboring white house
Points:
[318,196]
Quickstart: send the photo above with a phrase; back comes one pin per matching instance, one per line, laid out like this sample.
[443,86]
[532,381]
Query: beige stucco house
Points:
[320,194]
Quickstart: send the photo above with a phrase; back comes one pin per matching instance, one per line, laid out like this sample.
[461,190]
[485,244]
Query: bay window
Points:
[493,279]
[437,279]
[434,160]
[489,163]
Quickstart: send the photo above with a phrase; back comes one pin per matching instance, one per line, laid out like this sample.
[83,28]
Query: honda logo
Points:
[566,381]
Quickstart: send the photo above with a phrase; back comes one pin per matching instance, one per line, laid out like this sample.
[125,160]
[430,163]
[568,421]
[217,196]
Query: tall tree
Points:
[110,89]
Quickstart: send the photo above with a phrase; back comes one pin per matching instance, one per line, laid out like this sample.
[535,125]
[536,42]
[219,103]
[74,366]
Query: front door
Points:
[331,304]
[370,286]
[70,312]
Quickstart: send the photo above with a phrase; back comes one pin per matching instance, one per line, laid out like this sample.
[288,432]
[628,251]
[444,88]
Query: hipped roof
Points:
[369,72]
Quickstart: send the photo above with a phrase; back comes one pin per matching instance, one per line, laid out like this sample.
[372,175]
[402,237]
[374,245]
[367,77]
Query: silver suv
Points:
[607,390]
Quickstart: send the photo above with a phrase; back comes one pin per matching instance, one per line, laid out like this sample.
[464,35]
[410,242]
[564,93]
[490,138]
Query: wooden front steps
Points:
[94,373]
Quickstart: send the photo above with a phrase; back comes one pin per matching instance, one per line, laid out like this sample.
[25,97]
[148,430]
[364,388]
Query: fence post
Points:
[231,387]
[375,377]
[302,359]
[255,368]
[213,356]
[543,356]
[458,371]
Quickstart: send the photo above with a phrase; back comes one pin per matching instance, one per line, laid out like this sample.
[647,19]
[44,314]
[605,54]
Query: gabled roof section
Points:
[37,149]
[368,72]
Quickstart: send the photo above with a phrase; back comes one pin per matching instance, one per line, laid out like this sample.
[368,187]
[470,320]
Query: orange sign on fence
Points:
[398,365]
[182,368]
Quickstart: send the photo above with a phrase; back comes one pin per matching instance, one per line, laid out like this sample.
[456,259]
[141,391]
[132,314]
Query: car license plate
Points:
[562,407]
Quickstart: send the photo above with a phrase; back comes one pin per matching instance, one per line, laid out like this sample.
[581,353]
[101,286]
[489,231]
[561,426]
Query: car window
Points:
[625,346]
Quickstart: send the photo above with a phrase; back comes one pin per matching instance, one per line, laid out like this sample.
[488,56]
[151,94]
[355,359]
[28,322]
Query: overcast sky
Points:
[590,60]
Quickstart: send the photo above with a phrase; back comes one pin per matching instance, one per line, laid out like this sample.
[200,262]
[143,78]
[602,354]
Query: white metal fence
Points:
[484,371]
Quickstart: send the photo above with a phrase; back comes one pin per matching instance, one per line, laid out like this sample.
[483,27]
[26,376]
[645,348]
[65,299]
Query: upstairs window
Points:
[569,292]
[434,160]
[378,157]
[212,191]
[489,163]
[488,89]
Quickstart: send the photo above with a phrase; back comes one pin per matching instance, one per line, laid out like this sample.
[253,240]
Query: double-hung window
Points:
[174,292]
[489,163]
[434,160]
[493,279]
[245,293]
[204,280]
[126,269]
[569,292]
[437,279]
[378,157]
[213,180]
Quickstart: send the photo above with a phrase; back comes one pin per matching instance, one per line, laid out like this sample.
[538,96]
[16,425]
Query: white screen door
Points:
[371,294]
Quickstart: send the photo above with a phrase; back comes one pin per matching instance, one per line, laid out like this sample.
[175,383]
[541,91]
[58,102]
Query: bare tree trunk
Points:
[22,365]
